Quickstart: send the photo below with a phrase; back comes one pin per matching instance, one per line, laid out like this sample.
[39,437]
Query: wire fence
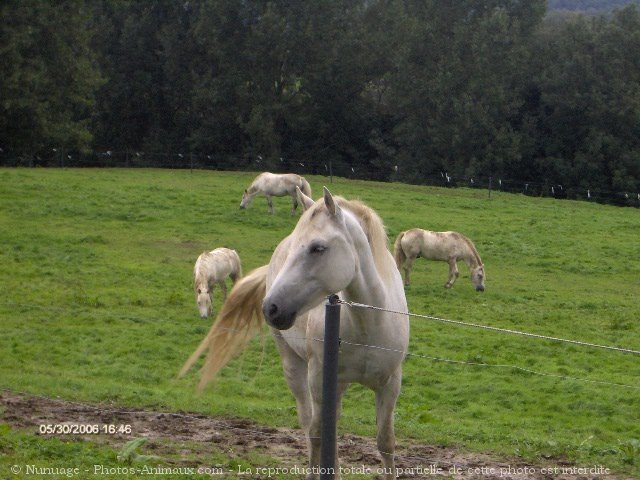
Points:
[410,354]
[301,437]
[487,327]
[335,166]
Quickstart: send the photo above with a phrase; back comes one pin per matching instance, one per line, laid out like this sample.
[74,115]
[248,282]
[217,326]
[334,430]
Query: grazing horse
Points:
[446,246]
[337,246]
[213,268]
[276,185]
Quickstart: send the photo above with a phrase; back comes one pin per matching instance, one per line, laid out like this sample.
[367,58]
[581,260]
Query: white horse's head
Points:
[477,277]
[203,299]
[318,258]
[246,199]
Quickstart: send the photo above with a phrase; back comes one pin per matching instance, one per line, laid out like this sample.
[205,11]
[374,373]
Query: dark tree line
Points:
[402,89]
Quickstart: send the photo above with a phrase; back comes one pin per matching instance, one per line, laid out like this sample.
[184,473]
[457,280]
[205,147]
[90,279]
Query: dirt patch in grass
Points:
[186,439]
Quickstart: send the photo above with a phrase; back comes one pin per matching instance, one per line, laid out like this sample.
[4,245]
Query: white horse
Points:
[445,246]
[338,246]
[213,268]
[276,185]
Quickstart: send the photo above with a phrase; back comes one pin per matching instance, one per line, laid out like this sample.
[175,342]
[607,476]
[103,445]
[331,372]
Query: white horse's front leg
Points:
[211,285]
[453,273]
[296,374]
[386,398]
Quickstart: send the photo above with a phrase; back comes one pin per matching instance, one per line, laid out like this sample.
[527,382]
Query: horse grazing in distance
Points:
[213,268]
[337,246]
[276,185]
[446,246]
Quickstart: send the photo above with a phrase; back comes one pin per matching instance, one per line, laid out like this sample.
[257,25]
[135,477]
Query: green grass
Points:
[97,305]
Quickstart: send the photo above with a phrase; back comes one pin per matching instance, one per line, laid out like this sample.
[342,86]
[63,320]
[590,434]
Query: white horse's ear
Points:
[303,200]
[330,203]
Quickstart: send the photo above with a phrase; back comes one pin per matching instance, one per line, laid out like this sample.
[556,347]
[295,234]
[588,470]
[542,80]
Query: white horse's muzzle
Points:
[276,316]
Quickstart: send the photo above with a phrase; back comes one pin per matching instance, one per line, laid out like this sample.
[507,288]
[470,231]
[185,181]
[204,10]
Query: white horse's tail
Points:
[306,188]
[240,319]
[398,252]
[237,271]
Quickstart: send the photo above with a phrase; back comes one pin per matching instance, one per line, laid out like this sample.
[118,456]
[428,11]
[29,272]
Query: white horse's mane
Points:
[471,246]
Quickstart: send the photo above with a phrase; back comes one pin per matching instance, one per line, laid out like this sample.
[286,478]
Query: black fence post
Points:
[330,389]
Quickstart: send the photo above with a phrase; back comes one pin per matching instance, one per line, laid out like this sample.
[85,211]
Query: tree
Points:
[458,89]
[587,109]
[284,80]
[146,49]
[49,77]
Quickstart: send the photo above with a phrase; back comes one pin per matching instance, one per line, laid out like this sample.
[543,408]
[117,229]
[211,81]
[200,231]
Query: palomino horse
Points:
[338,246]
[276,185]
[446,246]
[213,268]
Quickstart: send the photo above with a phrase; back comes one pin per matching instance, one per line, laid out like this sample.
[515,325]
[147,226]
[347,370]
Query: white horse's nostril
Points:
[271,310]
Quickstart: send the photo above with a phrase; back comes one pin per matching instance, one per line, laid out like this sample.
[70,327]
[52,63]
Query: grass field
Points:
[97,305]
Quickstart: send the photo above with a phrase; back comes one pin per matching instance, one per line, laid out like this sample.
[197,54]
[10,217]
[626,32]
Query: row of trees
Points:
[407,89]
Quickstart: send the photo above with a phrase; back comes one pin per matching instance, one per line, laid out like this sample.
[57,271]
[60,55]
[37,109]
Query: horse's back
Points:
[227,259]
[228,253]
[292,180]
[263,180]
[217,264]
[277,184]
[443,245]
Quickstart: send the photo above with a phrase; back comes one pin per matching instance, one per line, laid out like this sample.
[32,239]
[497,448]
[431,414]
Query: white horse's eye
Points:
[317,249]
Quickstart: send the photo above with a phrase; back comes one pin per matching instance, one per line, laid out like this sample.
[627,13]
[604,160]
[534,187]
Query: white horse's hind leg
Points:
[294,203]
[408,266]
[223,287]
[453,273]
[385,403]
[269,203]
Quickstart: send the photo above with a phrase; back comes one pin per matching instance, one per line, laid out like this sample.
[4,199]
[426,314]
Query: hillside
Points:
[590,7]
[98,306]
